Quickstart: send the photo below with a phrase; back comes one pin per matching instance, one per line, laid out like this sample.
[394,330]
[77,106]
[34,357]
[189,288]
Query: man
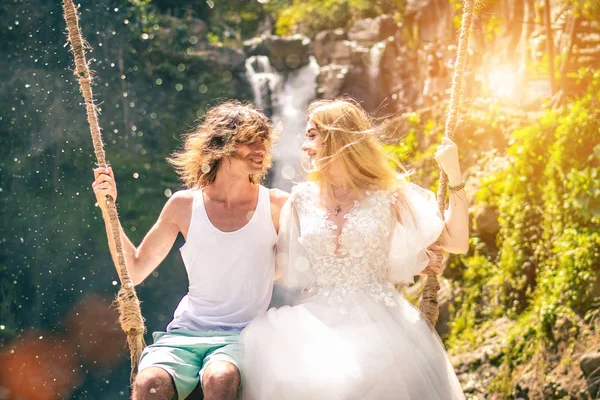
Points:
[230,224]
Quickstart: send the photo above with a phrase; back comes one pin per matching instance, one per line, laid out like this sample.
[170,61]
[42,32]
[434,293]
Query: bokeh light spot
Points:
[288,172]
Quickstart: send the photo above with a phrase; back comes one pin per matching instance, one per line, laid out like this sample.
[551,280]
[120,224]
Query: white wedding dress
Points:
[348,334]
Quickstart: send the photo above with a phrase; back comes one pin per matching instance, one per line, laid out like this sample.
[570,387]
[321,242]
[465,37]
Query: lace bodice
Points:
[373,250]
[357,258]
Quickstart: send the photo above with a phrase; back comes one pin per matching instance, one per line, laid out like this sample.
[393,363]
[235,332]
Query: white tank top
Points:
[230,273]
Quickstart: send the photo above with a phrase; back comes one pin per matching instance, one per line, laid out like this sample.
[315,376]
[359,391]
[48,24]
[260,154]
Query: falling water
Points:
[375,54]
[289,96]
[264,80]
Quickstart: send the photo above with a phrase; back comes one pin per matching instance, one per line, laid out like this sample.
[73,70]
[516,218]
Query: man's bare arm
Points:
[157,243]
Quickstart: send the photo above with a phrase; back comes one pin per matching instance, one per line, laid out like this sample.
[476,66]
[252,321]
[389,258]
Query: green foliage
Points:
[416,148]
[571,239]
[422,133]
[492,24]
[548,263]
[588,8]
[477,305]
[228,21]
[311,16]
[520,211]
[520,344]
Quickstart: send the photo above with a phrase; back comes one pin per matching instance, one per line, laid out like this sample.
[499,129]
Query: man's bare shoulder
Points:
[278,197]
[180,202]
[182,197]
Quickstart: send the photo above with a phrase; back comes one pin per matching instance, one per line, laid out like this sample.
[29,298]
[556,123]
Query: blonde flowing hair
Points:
[216,138]
[350,143]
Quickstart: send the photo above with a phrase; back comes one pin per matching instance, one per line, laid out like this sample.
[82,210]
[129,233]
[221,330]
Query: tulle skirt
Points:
[355,347]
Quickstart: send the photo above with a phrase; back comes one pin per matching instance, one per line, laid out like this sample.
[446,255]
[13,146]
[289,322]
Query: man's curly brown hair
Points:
[216,137]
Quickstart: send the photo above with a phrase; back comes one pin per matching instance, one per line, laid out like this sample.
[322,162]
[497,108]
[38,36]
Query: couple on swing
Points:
[337,244]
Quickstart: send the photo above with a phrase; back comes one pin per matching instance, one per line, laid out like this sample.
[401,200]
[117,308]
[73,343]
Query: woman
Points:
[346,236]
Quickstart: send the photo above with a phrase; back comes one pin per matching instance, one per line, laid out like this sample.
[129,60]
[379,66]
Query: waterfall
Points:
[375,54]
[286,98]
[264,81]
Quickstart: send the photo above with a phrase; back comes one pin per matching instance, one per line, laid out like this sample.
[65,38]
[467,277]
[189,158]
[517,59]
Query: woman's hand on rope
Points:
[447,157]
[455,237]
[434,267]
[103,185]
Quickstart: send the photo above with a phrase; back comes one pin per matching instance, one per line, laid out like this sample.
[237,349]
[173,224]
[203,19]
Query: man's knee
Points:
[153,383]
[221,377]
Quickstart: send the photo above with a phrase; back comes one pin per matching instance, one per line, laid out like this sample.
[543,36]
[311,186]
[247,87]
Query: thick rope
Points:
[130,315]
[429,301]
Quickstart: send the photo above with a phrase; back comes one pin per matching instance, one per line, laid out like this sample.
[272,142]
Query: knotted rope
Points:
[429,300]
[130,316]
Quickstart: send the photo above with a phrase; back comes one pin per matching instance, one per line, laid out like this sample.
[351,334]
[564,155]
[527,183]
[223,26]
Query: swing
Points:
[429,300]
[130,316]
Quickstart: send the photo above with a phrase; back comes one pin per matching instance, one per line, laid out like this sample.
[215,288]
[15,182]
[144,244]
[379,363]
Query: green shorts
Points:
[185,354]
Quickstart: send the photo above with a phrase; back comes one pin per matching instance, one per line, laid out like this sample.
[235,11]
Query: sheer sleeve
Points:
[292,269]
[419,225]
